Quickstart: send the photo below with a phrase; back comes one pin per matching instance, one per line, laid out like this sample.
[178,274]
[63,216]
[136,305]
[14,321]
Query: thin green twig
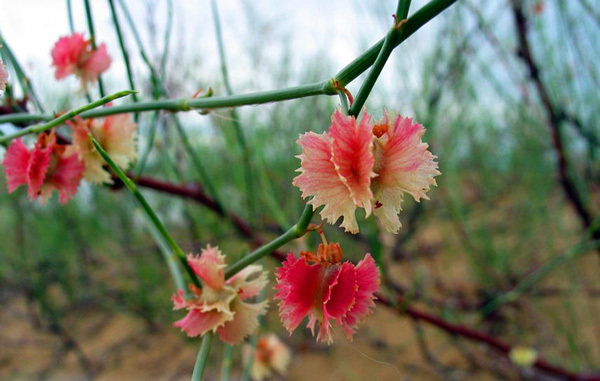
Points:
[70,17]
[26,85]
[389,43]
[149,211]
[296,231]
[115,18]
[63,118]
[248,171]
[90,22]
[202,358]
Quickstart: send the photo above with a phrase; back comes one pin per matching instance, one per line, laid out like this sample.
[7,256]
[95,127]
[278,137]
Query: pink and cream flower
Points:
[116,134]
[44,168]
[221,305]
[271,355]
[367,165]
[74,55]
[3,75]
[324,289]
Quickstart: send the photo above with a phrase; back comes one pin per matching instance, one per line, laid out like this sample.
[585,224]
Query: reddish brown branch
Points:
[555,117]
[470,334]
[196,193]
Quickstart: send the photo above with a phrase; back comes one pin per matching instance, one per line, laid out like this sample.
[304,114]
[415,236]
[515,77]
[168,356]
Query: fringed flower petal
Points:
[320,179]
[39,163]
[339,297]
[249,288]
[66,54]
[67,177]
[298,285]
[97,63]
[15,163]
[210,266]
[198,322]
[120,134]
[244,323]
[351,149]
[367,280]
[117,135]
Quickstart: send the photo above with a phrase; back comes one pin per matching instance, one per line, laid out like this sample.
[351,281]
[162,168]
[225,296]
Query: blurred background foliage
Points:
[499,212]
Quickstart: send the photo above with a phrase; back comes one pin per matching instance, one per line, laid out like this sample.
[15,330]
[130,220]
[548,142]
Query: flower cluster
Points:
[116,134]
[324,289]
[49,165]
[74,55]
[221,306]
[367,165]
[44,168]
[271,355]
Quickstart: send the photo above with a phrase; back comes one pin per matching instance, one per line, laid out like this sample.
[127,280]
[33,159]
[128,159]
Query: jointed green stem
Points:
[365,60]
[296,231]
[70,17]
[248,172]
[63,118]
[389,43]
[7,53]
[149,211]
[90,22]
[537,275]
[123,50]
[167,39]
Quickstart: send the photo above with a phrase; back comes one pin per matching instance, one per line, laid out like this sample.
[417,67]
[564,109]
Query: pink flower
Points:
[117,135]
[74,55]
[220,305]
[44,168]
[326,290]
[365,165]
[270,355]
[3,75]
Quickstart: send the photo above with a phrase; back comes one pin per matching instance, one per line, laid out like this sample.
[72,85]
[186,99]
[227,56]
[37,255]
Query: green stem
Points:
[187,104]
[23,78]
[537,275]
[153,76]
[90,22]
[296,231]
[416,21]
[198,165]
[167,39]
[141,163]
[70,17]
[149,211]
[63,118]
[389,43]
[248,175]
[174,268]
[227,362]
[123,50]
[202,358]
